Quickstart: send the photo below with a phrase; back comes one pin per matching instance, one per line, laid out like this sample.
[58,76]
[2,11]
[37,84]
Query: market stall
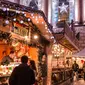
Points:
[25,27]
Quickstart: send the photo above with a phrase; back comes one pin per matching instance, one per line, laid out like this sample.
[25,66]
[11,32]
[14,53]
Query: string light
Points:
[7,9]
[29,19]
[42,22]
[57,50]
[4,9]
[37,21]
[7,21]
[21,21]
[14,19]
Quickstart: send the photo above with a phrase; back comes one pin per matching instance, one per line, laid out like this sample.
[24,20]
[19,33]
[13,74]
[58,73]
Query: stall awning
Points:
[80,53]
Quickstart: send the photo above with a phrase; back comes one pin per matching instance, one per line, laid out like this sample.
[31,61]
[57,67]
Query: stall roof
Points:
[80,53]
[37,17]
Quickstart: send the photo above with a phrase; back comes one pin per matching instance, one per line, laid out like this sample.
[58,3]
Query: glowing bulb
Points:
[29,19]
[7,21]
[33,17]
[42,22]
[21,21]
[14,19]
[35,37]
[26,37]
[32,14]
[37,21]
[4,9]
[7,9]
[24,14]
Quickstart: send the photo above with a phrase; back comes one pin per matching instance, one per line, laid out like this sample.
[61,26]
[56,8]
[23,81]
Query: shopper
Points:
[33,67]
[22,74]
[9,58]
[75,68]
[43,70]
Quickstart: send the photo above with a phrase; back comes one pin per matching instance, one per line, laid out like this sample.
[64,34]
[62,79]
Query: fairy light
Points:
[4,9]
[14,19]
[37,21]
[21,21]
[29,19]
[7,21]
[7,9]
[57,50]
[42,22]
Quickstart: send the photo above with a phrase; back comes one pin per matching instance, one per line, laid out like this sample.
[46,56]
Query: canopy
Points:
[80,53]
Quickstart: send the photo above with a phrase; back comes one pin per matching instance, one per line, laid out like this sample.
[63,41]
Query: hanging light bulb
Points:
[24,14]
[21,21]
[4,9]
[7,21]
[37,21]
[42,22]
[14,19]
[7,9]
[29,19]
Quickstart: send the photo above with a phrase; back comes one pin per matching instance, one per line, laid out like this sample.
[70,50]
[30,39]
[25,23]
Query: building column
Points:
[80,12]
[83,10]
[77,13]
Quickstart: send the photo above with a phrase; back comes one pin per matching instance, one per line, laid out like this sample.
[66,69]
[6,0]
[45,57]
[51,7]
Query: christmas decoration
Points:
[4,36]
[63,8]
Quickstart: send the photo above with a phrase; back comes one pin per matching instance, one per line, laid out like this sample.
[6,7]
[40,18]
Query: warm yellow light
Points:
[26,37]
[35,36]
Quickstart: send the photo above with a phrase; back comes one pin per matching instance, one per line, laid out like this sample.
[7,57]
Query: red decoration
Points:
[82,61]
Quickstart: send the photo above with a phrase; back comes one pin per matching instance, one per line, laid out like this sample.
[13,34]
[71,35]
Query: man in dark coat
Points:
[22,74]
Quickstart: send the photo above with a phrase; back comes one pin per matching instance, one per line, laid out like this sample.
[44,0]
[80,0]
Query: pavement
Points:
[78,82]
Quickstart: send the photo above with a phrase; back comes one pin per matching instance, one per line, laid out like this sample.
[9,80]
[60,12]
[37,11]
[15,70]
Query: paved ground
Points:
[79,82]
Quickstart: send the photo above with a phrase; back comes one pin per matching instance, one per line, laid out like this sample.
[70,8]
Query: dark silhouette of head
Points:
[11,52]
[24,59]
[32,64]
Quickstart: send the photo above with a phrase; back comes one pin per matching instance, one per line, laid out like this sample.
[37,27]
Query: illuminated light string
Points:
[57,50]
[17,11]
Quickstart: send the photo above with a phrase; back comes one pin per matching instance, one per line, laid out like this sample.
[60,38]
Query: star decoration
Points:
[63,8]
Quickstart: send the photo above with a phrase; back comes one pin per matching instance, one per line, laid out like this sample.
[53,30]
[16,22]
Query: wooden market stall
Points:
[19,25]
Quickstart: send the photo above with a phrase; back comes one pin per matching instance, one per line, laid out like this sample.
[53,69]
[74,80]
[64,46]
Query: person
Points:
[9,58]
[22,74]
[75,68]
[84,69]
[43,70]
[33,67]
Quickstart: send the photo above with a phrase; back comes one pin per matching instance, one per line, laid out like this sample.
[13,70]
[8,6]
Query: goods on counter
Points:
[7,69]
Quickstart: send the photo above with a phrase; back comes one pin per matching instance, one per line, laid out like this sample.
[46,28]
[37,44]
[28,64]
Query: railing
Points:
[60,76]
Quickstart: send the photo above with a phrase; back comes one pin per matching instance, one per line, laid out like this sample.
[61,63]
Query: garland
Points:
[4,36]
